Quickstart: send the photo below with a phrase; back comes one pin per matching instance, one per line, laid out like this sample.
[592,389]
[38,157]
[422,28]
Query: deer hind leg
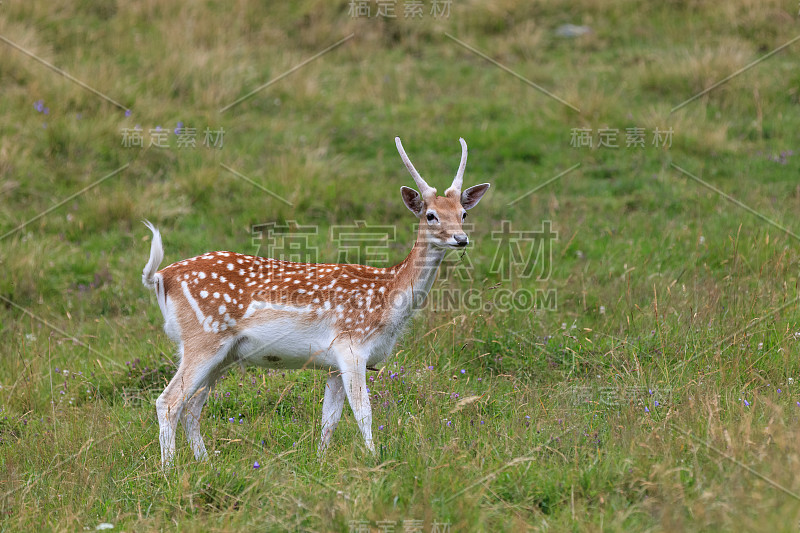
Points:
[195,372]
[168,408]
[190,418]
[353,365]
[332,407]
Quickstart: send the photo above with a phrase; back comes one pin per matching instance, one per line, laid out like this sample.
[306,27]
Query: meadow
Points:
[616,351]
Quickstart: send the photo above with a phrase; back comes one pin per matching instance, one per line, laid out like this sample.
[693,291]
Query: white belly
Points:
[287,343]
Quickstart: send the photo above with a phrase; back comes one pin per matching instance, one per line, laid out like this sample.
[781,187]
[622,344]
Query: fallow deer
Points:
[225,308]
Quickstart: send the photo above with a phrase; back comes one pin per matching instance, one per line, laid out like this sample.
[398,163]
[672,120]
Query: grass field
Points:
[641,373]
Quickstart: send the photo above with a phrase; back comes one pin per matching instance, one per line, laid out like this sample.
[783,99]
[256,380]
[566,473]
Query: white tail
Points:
[225,308]
[156,256]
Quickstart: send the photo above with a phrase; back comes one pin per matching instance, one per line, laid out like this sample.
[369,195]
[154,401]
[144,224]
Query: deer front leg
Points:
[332,407]
[354,378]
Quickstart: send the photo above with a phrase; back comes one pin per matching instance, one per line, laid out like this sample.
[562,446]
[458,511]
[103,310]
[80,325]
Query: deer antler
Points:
[428,192]
[458,181]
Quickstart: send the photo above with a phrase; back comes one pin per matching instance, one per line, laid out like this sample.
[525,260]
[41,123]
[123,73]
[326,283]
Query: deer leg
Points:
[354,378]
[190,418]
[168,408]
[182,392]
[332,407]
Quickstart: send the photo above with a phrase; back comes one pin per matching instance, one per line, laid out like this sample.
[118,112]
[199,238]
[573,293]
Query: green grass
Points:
[661,283]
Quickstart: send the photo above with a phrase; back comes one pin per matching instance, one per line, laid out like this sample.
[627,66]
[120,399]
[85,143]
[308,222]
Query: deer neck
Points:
[417,272]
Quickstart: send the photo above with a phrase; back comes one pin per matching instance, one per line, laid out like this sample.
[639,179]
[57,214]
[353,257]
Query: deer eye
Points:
[431,217]
[463,216]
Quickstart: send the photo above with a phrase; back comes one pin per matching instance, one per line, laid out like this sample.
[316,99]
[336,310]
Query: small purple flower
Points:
[482,422]
[230,420]
[127,112]
[798,404]
[463,371]
[430,367]
[241,421]
[39,105]
[527,417]
[779,391]
[380,428]
[178,128]
[746,403]
[480,379]
[656,403]
[449,423]
[256,465]
[46,111]
[646,410]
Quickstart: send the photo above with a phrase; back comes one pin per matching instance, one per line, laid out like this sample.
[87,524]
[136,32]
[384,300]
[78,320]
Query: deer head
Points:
[441,217]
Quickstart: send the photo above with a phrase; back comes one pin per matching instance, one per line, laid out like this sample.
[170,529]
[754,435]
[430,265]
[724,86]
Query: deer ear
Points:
[413,200]
[473,195]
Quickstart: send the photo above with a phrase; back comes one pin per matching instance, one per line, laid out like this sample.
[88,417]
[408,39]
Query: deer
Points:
[225,308]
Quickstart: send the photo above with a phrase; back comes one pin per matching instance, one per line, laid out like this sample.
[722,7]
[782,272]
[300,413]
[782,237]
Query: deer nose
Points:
[461,239]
